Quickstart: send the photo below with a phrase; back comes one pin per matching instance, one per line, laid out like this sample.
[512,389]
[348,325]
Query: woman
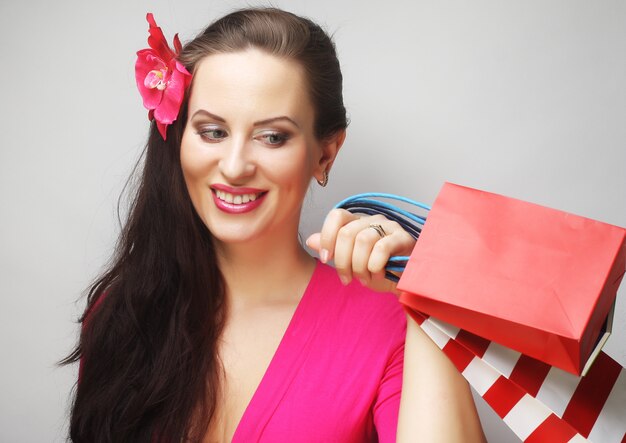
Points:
[213,323]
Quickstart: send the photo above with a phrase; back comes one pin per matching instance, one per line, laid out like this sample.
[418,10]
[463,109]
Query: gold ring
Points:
[379,230]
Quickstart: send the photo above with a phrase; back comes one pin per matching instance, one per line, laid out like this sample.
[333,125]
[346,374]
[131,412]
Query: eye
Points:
[212,134]
[273,139]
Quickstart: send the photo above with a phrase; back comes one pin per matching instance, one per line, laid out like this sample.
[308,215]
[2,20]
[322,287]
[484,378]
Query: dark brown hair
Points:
[149,369]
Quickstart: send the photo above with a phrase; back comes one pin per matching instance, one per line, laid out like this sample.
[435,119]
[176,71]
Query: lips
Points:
[237,200]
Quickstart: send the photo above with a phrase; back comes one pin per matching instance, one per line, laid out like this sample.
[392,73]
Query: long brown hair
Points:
[148,347]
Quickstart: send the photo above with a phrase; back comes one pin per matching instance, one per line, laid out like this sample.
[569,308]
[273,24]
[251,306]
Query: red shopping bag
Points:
[534,279]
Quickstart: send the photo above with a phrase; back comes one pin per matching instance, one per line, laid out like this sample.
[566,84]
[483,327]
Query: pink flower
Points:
[161,79]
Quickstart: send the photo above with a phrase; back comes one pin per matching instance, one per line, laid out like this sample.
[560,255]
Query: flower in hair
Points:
[161,78]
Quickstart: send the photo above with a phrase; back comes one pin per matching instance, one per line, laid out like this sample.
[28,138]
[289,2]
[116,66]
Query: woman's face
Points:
[248,150]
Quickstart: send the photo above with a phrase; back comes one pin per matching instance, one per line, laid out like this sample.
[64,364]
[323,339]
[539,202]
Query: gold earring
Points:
[324,181]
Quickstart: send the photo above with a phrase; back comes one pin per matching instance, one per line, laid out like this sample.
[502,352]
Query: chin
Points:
[235,232]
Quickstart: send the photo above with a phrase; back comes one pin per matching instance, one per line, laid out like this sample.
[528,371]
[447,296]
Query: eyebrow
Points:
[274,119]
[257,123]
[208,114]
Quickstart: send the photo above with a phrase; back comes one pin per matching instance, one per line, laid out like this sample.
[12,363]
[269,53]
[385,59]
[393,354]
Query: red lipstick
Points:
[237,208]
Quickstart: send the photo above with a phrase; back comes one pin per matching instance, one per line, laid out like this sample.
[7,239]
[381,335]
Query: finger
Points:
[335,220]
[314,242]
[364,244]
[372,252]
[345,246]
[395,242]
[398,242]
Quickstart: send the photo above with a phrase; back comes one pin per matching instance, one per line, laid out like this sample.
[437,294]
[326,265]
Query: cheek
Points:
[292,172]
[194,164]
[195,158]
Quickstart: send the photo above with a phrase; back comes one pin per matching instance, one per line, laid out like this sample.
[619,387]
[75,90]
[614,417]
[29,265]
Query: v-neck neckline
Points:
[281,369]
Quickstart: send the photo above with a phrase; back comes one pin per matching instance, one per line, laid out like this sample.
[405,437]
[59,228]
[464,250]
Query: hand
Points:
[359,250]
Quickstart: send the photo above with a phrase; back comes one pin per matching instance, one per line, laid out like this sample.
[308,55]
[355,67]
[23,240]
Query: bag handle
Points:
[369,204]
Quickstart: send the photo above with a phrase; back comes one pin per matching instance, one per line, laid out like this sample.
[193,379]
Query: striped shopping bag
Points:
[539,402]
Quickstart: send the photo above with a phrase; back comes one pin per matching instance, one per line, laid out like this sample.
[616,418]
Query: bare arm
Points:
[436,405]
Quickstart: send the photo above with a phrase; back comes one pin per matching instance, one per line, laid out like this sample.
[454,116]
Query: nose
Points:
[237,163]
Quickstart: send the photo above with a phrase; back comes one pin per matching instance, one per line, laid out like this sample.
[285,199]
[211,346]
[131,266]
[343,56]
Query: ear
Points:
[329,148]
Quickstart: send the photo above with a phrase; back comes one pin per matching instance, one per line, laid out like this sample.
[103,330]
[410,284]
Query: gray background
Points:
[522,98]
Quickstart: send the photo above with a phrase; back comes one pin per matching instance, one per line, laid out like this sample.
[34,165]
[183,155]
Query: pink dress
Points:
[337,373]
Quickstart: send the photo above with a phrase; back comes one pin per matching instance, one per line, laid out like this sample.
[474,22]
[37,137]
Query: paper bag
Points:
[534,279]
[538,402]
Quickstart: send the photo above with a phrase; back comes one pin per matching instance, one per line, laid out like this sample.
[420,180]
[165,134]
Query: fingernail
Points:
[324,255]
[344,280]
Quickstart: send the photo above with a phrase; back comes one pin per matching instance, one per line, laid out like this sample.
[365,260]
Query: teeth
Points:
[236,199]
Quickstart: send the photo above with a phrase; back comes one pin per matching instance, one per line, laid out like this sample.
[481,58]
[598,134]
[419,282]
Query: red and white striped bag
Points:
[539,402]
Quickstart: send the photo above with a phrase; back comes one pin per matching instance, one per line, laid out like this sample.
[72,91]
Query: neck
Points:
[268,270]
